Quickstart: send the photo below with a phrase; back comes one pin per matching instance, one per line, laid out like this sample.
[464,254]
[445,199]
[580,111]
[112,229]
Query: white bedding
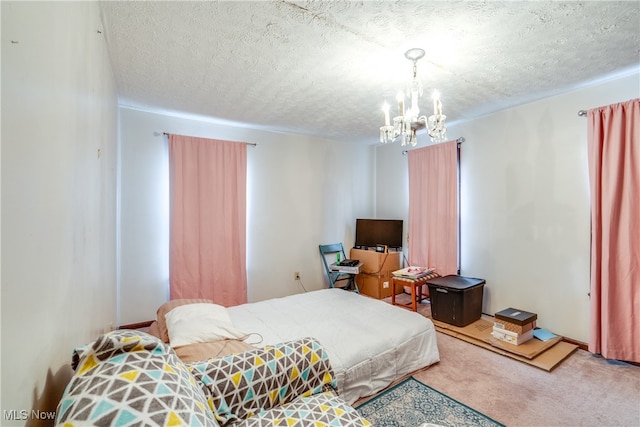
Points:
[370,343]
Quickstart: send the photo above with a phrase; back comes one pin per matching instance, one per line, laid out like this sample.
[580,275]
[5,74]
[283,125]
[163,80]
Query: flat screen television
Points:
[373,232]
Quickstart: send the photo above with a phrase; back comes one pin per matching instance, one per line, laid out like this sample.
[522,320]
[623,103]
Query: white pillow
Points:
[201,322]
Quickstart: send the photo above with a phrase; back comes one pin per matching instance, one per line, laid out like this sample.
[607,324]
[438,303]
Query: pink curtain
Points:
[433,207]
[208,219]
[614,174]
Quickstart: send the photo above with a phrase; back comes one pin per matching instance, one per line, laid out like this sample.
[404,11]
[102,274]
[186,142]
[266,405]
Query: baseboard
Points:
[584,346]
[581,345]
[139,325]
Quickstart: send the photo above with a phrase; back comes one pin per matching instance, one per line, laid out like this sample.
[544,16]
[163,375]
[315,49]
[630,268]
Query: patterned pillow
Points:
[241,385]
[324,409]
[114,343]
[129,378]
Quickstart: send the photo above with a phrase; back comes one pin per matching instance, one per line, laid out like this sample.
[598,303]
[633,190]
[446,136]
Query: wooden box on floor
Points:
[374,279]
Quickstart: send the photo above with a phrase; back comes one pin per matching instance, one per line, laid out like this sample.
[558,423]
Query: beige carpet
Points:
[584,390]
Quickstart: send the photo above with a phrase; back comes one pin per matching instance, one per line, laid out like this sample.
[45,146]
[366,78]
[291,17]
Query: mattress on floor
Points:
[370,343]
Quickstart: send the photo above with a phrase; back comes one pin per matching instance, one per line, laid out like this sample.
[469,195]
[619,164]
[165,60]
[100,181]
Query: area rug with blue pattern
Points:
[412,404]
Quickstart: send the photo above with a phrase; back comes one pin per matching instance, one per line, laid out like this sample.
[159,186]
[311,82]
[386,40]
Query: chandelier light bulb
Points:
[400,98]
[437,104]
[385,108]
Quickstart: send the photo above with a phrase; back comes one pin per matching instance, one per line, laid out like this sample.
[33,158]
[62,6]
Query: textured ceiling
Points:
[324,68]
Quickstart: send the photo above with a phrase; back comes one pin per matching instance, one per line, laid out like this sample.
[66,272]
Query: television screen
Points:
[372,232]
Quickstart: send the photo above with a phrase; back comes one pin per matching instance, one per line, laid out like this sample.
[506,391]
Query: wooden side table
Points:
[416,285]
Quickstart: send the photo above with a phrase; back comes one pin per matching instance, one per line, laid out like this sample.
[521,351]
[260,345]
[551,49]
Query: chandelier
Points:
[409,121]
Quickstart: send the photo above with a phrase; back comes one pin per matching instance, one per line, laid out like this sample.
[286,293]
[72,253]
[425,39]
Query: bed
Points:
[370,343]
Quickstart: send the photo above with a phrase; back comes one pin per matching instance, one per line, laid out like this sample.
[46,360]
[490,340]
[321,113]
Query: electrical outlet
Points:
[385,285]
[296,275]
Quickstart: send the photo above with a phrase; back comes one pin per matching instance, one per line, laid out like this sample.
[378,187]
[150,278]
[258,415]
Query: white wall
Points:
[525,215]
[59,152]
[302,192]
[392,188]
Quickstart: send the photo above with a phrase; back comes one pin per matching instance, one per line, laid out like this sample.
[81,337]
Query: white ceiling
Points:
[324,68]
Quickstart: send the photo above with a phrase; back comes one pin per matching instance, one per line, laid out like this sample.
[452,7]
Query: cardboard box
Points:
[513,327]
[512,337]
[516,316]
[376,286]
[375,262]
[543,354]
[374,279]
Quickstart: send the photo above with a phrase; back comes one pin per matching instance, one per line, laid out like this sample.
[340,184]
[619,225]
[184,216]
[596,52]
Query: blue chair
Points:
[337,278]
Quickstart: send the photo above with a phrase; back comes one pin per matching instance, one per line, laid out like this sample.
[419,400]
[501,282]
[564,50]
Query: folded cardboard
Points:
[544,355]
[482,329]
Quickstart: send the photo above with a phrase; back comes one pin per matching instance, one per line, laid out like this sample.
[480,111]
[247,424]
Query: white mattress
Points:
[370,343]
